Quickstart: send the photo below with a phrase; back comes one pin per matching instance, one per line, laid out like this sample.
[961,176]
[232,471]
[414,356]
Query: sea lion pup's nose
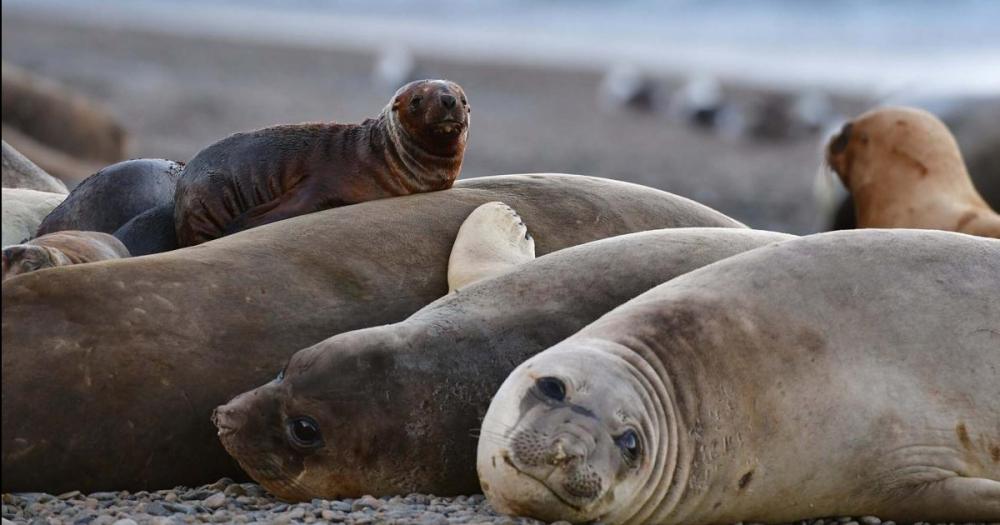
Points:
[448,101]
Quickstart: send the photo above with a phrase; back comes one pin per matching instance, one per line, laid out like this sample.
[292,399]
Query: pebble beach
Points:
[226,501]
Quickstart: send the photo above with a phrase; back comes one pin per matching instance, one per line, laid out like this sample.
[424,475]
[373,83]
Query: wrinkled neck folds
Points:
[662,484]
[413,168]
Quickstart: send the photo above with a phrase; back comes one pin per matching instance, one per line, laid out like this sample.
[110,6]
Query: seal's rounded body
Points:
[850,373]
[419,386]
[248,179]
[149,346]
[115,195]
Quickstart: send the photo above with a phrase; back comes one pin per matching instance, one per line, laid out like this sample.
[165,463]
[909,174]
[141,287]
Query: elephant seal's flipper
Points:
[492,241]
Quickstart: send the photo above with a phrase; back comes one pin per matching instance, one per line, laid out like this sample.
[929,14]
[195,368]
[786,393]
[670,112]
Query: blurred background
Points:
[728,103]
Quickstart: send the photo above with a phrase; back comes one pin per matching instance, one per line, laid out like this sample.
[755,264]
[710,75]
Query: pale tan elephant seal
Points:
[124,361]
[23,210]
[60,249]
[904,170]
[848,373]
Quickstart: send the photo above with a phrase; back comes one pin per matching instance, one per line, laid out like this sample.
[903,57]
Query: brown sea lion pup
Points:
[19,172]
[415,145]
[62,131]
[124,361]
[904,170]
[60,249]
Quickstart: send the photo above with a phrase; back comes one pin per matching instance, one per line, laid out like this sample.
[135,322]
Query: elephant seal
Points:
[903,169]
[24,210]
[19,172]
[415,145]
[60,249]
[149,346]
[492,241]
[390,410]
[114,195]
[63,132]
[150,232]
[846,373]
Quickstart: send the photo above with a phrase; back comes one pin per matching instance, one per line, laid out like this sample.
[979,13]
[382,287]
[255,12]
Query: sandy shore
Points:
[179,94]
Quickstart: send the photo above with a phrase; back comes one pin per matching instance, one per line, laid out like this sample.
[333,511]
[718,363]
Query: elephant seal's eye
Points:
[304,432]
[629,444]
[551,388]
[415,102]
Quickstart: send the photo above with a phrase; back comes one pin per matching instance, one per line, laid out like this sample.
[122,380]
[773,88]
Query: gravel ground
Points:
[227,502]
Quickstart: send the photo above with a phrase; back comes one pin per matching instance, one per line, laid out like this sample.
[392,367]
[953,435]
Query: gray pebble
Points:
[179,507]
[156,508]
[126,521]
[341,506]
[104,496]
[214,501]
[870,520]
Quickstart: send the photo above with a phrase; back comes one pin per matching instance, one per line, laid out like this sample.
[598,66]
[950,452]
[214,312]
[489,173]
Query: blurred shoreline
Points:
[771,44]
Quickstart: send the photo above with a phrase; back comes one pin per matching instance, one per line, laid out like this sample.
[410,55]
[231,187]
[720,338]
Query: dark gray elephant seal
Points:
[19,172]
[115,195]
[391,409]
[150,232]
[848,373]
[149,346]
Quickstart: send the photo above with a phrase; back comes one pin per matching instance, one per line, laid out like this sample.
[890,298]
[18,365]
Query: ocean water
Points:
[872,46]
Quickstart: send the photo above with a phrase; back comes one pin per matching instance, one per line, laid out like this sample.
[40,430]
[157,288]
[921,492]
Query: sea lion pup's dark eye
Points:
[629,443]
[415,102]
[839,143]
[304,432]
[552,388]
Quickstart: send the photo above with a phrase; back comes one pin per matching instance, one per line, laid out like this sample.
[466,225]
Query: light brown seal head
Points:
[416,144]
[904,170]
[557,444]
[60,249]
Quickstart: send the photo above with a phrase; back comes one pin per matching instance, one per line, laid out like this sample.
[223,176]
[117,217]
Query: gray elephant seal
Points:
[60,249]
[115,195]
[149,346]
[416,144]
[390,409]
[150,232]
[846,373]
[19,172]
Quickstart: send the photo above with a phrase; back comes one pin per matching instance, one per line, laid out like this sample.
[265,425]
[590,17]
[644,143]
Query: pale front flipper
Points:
[492,241]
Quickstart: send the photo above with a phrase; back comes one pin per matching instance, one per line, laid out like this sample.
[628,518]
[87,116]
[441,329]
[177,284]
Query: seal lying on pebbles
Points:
[149,346]
[904,170]
[23,210]
[415,145]
[390,409]
[842,373]
[60,249]
[114,195]
[19,172]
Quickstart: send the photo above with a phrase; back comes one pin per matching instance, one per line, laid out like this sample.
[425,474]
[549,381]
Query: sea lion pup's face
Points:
[435,114]
[325,427]
[24,258]
[895,145]
[569,437]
